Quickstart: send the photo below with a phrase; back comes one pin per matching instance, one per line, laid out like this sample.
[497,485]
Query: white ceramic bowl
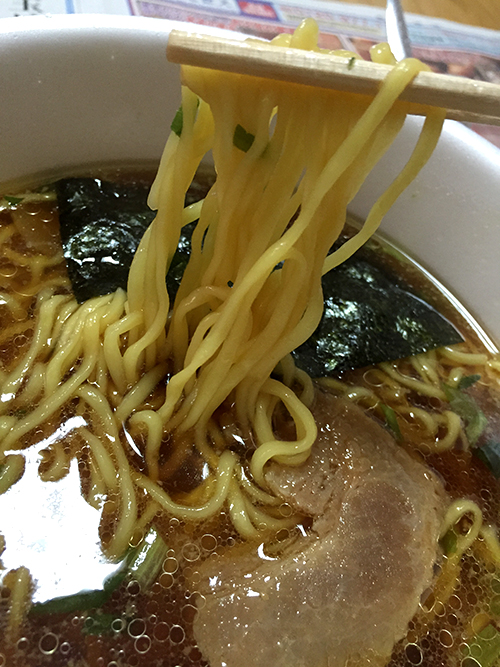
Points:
[82,90]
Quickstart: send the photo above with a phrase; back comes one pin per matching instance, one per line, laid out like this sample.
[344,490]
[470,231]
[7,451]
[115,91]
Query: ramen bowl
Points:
[82,92]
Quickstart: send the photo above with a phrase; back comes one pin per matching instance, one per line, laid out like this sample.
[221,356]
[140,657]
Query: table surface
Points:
[484,13]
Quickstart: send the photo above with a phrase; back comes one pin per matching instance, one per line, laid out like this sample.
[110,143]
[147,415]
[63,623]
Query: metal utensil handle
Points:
[397,31]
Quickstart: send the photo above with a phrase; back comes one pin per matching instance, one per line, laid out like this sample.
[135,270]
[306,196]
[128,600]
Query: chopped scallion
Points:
[468,380]
[466,408]
[70,603]
[99,624]
[490,455]
[147,562]
[392,421]
[243,139]
[495,606]
[178,121]
[449,542]
[13,201]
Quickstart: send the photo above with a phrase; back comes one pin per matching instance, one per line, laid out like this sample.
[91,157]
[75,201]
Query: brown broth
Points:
[154,627]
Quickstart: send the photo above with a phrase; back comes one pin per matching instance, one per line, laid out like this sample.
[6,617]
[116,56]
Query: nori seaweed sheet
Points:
[370,315]
[101,225]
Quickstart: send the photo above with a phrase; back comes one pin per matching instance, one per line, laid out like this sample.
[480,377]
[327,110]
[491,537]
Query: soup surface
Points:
[435,415]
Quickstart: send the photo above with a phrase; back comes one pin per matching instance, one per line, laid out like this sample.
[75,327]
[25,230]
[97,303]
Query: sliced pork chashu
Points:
[349,589]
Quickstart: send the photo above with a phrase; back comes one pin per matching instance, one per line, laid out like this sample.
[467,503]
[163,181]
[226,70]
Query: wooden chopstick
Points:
[464,99]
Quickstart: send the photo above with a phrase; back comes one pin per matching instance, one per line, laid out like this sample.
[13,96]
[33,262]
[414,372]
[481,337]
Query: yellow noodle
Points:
[56,282]
[428,420]
[33,389]
[36,263]
[454,426]
[149,513]
[494,364]
[455,375]
[456,511]
[286,367]
[254,491]
[98,490]
[16,309]
[11,470]
[425,365]
[491,542]
[139,392]
[204,448]
[362,395]
[111,345]
[238,512]
[420,387]
[59,462]
[223,433]
[62,316]
[41,339]
[227,462]
[78,333]
[101,460]
[467,358]
[128,503]
[101,376]
[21,588]
[6,423]
[285,452]
[262,421]
[154,424]
[51,403]
[307,394]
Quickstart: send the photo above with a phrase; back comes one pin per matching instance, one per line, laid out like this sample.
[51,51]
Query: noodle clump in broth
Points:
[206,387]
